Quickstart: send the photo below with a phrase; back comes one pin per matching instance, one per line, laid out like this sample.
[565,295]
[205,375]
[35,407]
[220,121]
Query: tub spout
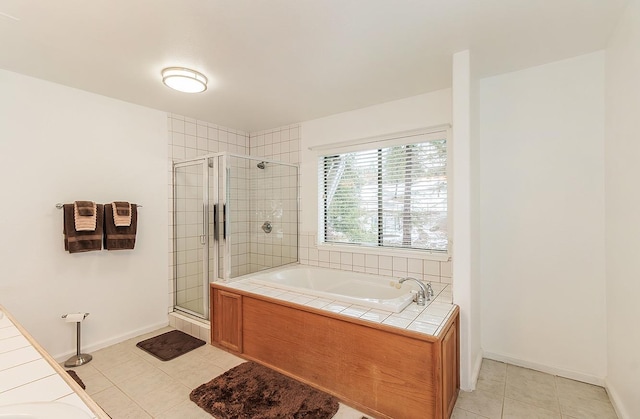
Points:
[424,294]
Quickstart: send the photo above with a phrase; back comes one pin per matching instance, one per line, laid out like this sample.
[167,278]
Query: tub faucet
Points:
[424,294]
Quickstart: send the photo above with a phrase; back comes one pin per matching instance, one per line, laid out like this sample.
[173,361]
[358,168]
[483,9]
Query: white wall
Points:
[623,209]
[465,264]
[59,145]
[542,217]
[475,271]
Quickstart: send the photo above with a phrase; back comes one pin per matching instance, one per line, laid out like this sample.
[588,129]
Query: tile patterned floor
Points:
[509,392]
[128,383]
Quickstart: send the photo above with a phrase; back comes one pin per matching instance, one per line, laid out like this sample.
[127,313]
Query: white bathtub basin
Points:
[42,410]
[383,293]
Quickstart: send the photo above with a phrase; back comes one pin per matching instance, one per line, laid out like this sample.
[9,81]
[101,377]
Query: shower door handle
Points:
[224,221]
[215,222]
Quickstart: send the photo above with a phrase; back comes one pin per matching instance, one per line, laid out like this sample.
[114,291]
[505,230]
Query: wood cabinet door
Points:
[227,321]
[450,369]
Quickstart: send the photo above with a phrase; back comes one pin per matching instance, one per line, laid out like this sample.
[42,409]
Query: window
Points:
[393,196]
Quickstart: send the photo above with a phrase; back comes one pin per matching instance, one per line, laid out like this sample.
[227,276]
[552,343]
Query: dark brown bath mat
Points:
[252,391]
[170,345]
[77,379]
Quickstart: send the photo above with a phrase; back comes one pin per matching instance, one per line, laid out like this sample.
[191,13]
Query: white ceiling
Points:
[277,62]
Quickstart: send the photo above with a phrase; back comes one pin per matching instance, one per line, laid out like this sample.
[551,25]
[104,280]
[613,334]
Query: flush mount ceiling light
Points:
[184,79]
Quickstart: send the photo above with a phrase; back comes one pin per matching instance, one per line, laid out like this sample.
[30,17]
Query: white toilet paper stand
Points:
[79,358]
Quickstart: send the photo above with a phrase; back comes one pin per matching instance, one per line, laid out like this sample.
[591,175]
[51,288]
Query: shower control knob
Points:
[267,227]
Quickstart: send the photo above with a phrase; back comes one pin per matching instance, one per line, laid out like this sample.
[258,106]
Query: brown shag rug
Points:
[170,345]
[253,391]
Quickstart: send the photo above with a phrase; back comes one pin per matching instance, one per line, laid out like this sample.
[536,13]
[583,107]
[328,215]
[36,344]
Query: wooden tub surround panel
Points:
[381,370]
[227,320]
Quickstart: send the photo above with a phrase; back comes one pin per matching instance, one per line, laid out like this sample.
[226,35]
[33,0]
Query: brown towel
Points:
[84,222]
[85,208]
[121,213]
[118,238]
[123,208]
[81,241]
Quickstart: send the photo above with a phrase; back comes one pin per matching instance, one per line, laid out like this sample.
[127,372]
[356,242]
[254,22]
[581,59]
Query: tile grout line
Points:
[555,385]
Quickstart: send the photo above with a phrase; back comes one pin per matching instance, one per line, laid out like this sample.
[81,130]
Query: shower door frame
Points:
[220,240]
[204,235]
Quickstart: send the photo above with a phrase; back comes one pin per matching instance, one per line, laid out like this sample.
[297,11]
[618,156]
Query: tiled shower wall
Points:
[240,215]
[273,197]
[273,194]
[279,144]
[259,195]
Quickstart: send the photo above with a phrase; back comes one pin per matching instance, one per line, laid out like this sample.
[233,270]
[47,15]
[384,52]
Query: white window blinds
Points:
[393,196]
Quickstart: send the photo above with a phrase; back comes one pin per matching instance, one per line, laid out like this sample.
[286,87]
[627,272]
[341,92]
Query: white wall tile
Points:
[385,262]
[445,269]
[399,264]
[177,125]
[371,261]
[201,131]
[414,266]
[190,128]
[323,256]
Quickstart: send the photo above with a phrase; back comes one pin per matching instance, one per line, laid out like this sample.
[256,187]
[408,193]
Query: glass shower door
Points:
[191,252]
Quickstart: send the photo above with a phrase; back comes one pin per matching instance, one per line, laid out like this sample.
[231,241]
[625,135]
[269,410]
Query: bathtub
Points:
[384,293]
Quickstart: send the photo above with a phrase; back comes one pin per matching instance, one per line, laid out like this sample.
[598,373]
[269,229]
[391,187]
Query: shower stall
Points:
[233,215]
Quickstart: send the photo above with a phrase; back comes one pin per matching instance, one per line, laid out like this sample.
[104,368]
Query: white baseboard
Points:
[112,341]
[475,372]
[618,406]
[573,375]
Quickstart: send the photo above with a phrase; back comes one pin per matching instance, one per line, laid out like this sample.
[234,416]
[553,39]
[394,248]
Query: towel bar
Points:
[60,206]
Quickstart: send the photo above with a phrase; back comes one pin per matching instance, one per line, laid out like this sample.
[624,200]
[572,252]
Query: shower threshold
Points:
[191,325]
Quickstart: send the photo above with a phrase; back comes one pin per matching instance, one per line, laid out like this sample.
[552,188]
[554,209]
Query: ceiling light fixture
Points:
[184,79]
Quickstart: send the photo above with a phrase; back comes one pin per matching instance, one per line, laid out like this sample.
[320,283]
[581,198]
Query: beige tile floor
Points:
[129,383]
[510,392]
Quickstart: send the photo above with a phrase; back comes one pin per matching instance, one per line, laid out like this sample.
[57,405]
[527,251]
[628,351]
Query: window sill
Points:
[417,254]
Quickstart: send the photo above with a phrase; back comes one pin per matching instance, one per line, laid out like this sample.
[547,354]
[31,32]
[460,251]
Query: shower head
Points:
[261,165]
